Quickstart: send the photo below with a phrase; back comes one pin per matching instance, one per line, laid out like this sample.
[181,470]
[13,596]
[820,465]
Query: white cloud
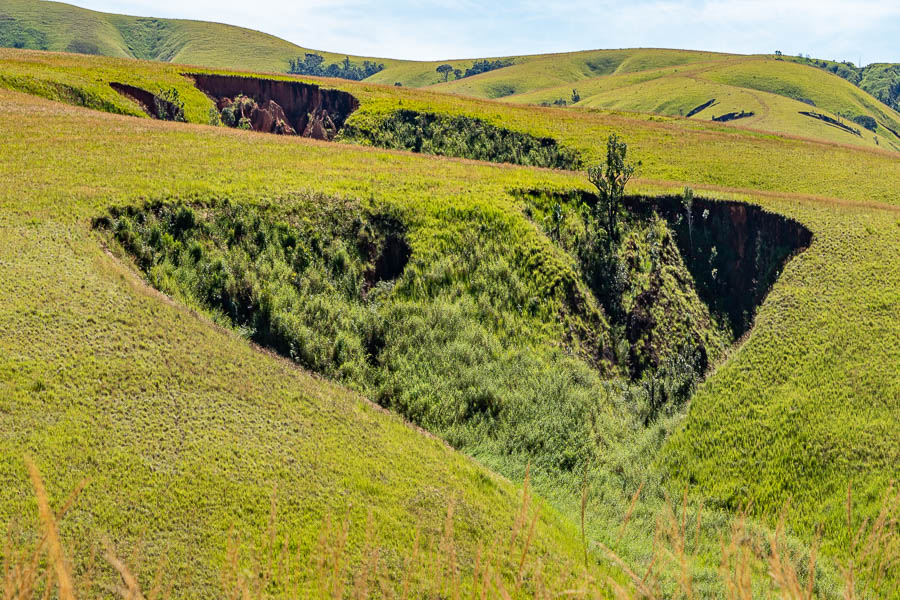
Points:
[435,29]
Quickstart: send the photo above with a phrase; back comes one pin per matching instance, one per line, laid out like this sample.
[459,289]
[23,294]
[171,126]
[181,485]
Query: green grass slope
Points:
[532,73]
[55,26]
[183,429]
[669,82]
[881,80]
[706,156]
[97,376]
[775,91]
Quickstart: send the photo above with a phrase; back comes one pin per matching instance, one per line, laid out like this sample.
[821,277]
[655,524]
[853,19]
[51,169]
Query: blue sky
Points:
[865,30]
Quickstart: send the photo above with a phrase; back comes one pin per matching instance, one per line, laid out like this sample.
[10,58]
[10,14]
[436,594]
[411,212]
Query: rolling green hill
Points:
[773,94]
[782,96]
[43,25]
[493,336]
[881,80]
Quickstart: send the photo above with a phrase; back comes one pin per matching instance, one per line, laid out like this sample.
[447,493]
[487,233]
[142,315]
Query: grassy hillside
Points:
[775,92]
[881,80]
[99,378]
[55,26]
[704,157]
[668,82]
[554,70]
[185,430]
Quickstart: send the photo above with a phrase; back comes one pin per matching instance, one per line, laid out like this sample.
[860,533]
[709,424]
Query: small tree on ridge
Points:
[445,70]
[610,178]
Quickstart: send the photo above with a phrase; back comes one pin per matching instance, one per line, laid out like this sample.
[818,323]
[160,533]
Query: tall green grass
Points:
[753,565]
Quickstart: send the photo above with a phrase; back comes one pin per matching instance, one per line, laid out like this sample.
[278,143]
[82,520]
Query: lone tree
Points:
[687,201]
[610,178]
[445,70]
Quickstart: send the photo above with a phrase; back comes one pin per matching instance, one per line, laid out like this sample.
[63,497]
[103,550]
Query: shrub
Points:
[610,179]
[866,121]
[314,64]
[169,106]
[462,136]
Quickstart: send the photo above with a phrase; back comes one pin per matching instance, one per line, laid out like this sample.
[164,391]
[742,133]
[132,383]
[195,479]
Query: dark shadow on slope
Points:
[303,283]
[831,122]
[155,106]
[276,106]
[700,108]
[733,116]
[461,136]
[733,251]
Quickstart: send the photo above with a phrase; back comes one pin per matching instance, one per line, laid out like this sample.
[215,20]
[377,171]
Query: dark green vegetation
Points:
[866,121]
[478,67]
[483,66]
[733,252]
[452,332]
[881,80]
[314,64]
[462,136]
[308,287]
[166,106]
[280,281]
[14,34]
[61,92]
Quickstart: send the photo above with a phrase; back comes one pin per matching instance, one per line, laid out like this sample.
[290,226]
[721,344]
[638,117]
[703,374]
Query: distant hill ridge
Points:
[54,26]
[759,92]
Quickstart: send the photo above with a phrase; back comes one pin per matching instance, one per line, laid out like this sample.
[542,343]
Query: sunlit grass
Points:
[182,425]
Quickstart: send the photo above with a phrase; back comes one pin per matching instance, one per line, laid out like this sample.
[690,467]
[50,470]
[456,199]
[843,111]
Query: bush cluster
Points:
[237,113]
[314,64]
[303,291]
[169,106]
[461,136]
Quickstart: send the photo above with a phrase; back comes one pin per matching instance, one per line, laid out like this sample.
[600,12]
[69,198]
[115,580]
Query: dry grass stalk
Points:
[336,586]
[875,551]
[735,567]
[21,571]
[525,552]
[449,574]
[672,528]
[875,546]
[522,515]
[584,500]
[54,546]
[368,572]
[131,590]
[629,512]
[782,570]
[644,591]
[412,562]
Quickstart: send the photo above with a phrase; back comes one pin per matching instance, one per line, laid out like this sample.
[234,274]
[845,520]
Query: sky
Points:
[862,31]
